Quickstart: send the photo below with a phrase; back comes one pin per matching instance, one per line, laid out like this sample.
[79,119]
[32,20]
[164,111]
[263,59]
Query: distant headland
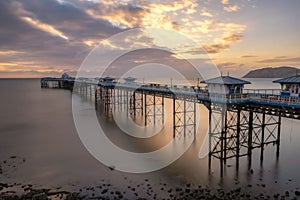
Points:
[273,72]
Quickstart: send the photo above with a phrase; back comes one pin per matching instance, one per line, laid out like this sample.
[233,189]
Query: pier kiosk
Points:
[290,86]
[130,80]
[227,84]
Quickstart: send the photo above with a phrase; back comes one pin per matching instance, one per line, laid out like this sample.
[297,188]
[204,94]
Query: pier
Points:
[240,120]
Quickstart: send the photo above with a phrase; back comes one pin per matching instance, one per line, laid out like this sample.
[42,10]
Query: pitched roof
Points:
[226,80]
[130,79]
[107,78]
[292,79]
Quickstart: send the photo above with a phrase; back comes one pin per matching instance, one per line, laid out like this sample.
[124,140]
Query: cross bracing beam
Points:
[184,116]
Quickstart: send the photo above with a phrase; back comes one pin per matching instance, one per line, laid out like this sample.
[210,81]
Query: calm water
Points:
[37,126]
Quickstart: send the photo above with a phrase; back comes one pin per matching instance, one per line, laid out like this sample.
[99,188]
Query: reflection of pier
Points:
[239,120]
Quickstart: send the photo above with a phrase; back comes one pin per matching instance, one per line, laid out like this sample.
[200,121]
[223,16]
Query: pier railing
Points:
[277,99]
[262,91]
[261,96]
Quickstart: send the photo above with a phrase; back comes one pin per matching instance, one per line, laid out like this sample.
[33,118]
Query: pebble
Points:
[104,191]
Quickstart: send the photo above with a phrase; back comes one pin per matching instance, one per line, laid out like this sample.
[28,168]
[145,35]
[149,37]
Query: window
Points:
[286,87]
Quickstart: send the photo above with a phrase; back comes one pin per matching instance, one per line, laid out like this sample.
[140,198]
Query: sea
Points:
[40,145]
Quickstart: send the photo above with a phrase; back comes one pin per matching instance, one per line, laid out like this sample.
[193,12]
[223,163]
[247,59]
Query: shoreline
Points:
[145,189]
[107,191]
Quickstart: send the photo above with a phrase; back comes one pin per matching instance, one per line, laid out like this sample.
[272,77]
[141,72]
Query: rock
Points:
[73,196]
[40,196]
[13,157]
[297,193]
[8,197]
[287,193]
[276,196]
[104,191]
[119,194]
[112,167]
[3,185]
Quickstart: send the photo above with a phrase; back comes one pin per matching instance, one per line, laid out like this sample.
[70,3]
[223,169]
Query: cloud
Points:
[248,56]
[46,33]
[280,59]
[232,38]
[195,51]
[215,48]
[225,2]
[205,13]
[123,16]
[230,67]
[76,23]
[38,35]
[45,27]
[6,53]
[224,43]
[232,8]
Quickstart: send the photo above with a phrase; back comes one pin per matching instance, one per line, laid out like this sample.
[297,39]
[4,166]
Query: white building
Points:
[225,85]
[129,80]
[290,86]
[65,76]
[107,79]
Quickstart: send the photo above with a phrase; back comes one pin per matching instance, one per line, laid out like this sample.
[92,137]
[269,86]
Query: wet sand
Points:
[145,189]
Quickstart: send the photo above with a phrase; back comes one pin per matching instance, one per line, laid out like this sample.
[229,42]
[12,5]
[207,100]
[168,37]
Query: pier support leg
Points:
[278,135]
[184,116]
[250,133]
[262,137]
[238,131]
[154,109]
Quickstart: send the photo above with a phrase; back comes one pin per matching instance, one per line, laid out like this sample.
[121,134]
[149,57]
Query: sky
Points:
[40,38]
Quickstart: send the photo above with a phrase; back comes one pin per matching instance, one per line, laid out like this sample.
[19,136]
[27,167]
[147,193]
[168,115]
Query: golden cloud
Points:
[215,48]
[232,38]
[5,53]
[232,8]
[45,27]
[178,15]
[225,1]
